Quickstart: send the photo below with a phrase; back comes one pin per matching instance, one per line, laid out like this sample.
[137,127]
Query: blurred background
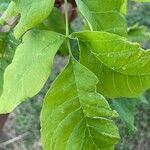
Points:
[22,129]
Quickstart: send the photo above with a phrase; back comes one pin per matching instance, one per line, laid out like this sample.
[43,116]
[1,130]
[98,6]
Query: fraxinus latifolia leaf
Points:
[31,13]
[76,114]
[121,66]
[104,15]
[30,67]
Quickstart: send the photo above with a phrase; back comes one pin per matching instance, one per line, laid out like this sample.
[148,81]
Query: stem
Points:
[66,18]
[67,26]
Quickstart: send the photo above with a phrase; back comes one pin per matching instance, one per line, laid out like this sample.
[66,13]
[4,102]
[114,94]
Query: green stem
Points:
[66,18]
[67,26]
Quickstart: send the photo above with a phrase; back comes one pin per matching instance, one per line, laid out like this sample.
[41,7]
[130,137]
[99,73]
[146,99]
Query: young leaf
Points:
[32,13]
[7,48]
[30,68]
[104,15]
[74,115]
[121,66]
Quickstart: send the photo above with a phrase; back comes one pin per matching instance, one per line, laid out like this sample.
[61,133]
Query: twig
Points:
[13,140]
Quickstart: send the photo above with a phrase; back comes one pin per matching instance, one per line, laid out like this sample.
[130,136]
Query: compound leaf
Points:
[104,15]
[122,67]
[30,67]
[74,115]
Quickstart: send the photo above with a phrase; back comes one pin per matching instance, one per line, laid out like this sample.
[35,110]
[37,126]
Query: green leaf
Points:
[32,13]
[138,33]
[122,67]
[7,48]
[74,115]
[142,1]
[30,68]
[126,110]
[124,7]
[55,22]
[104,15]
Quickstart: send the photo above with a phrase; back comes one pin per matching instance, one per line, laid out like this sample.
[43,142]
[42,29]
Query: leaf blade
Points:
[30,68]
[121,65]
[68,109]
[32,14]
[104,15]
